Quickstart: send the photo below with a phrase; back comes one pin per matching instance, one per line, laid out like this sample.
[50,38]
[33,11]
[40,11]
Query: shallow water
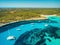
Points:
[27,28]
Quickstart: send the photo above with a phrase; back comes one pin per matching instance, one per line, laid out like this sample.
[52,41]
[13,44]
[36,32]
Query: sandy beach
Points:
[39,18]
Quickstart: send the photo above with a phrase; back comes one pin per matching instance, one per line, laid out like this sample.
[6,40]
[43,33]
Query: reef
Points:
[38,36]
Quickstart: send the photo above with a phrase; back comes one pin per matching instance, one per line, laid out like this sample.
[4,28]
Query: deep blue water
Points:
[27,28]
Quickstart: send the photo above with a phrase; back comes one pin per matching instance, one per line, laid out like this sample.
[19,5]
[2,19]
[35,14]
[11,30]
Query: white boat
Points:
[22,25]
[18,29]
[32,23]
[46,24]
[11,38]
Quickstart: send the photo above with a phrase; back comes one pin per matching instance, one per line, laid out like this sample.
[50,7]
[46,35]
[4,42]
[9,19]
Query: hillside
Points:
[16,14]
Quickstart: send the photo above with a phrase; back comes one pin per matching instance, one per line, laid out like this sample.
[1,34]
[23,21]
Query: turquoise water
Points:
[28,27]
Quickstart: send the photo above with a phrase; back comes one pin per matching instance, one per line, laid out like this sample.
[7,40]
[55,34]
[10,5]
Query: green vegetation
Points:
[15,14]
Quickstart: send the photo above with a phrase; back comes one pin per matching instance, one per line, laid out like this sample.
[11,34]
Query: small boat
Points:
[32,23]
[22,25]
[18,29]
[11,38]
[46,24]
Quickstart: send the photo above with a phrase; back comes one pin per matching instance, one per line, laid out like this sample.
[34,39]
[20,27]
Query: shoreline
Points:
[23,20]
[39,18]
